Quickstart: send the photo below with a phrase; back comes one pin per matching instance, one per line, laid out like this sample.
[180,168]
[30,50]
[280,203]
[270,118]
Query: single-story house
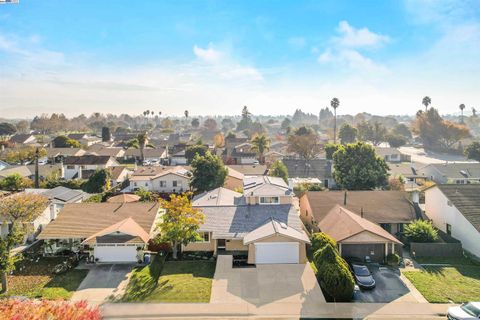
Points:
[160,179]
[455,210]
[23,138]
[250,169]
[85,139]
[408,171]
[115,152]
[28,171]
[357,237]
[389,209]
[59,154]
[132,154]
[392,154]
[178,158]
[83,166]
[124,197]
[452,173]
[119,174]
[314,168]
[110,232]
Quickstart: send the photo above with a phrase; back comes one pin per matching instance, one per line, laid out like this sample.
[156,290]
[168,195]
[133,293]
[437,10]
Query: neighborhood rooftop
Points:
[466,198]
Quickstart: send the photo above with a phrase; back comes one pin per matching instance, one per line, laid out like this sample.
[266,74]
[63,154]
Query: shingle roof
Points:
[81,220]
[126,227]
[218,197]
[227,222]
[466,198]
[377,206]
[153,172]
[458,170]
[54,152]
[77,136]
[385,151]
[124,197]
[117,171]
[88,159]
[250,169]
[341,224]
[64,194]
[148,152]
[20,137]
[273,227]
[235,174]
[315,168]
[265,186]
[112,152]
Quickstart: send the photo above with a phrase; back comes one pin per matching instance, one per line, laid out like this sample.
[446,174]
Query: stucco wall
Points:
[282,199]
[235,245]
[306,213]
[302,254]
[200,246]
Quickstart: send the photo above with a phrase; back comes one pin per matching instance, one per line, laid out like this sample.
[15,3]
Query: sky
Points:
[214,57]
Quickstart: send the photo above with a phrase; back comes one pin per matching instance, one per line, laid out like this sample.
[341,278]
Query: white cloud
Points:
[356,38]
[208,54]
[326,56]
[297,42]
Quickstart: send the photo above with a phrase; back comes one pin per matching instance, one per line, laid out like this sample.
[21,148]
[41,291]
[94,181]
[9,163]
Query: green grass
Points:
[451,261]
[36,280]
[458,283]
[171,281]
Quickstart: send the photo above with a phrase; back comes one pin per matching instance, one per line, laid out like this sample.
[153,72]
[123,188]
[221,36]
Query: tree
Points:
[179,222]
[335,103]
[246,121]
[319,240]
[65,142]
[22,126]
[145,195]
[305,143]
[47,309]
[286,123]
[474,112]
[379,132]
[347,134]
[219,140]
[462,107]
[473,151]
[396,184]
[330,149]
[99,181]
[426,102]
[192,151]
[7,129]
[140,142]
[227,124]
[420,231]
[260,144]
[195,123]
[365,131]
[15,182]
[402,130]
[208,172]
[106,135]
[186,113]
[278,169]
[18,211]
[395,140]
[210,124]
[357,167]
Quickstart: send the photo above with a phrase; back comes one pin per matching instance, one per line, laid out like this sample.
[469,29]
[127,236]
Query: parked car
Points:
[155,162]
[42,161]
[469,310]
[146,162]
[362,276]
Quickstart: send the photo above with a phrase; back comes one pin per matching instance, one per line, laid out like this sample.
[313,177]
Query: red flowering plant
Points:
[15,309]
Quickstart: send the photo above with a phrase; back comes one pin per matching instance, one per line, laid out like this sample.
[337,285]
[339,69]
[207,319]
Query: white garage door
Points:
[276,252]
[116,254]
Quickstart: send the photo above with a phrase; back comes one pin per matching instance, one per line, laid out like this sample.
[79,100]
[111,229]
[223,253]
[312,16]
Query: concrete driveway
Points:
[389,287]
[267,286]
[103,281]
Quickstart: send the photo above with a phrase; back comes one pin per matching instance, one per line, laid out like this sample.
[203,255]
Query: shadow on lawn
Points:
[144,280]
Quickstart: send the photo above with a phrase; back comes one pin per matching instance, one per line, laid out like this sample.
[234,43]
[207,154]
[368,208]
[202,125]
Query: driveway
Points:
[265,286]
[389,287]
[102,281]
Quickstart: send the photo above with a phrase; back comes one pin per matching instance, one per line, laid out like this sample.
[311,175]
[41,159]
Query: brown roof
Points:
[250,169]
[117,171]
[86,160]
[377,206]
[117,232]
[341,224]
[82,220]
[124,197]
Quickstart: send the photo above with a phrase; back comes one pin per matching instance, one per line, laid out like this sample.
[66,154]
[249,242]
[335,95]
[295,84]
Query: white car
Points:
[469,310]
[155,162]
[146,162]
[42,161]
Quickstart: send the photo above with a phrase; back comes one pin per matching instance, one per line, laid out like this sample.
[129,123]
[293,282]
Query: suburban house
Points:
[84,138]
[452,173]
[234,180]
[57,155]
[455,210]
[157,154]
[108,232]
[315,168]
[249,169]
[57,197]
[178,158]
[262,223]
[238,151]
[389,209]
[28,171]
[119,174]
[23,138]
[82,167]
[115,152]
[392,155]
[357,237]
[160,179]
[408,172]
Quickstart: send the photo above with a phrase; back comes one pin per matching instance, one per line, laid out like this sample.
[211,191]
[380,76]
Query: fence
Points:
[444,250]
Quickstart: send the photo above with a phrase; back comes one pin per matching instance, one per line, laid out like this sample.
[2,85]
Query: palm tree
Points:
[426,102]
[474,112]
[186,113]
[261,143]
[335,103]
[462,107]
[140,142]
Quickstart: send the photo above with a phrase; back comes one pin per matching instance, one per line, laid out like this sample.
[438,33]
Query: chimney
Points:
[345,198]
[361,212]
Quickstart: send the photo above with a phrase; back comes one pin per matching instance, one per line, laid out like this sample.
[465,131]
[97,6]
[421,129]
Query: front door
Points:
[221,243]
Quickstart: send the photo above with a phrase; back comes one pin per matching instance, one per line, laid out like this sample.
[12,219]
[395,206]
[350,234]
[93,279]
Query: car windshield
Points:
[471,309]
[361,270]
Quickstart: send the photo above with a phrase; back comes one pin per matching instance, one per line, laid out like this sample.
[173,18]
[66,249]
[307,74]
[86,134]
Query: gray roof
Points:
[218,197]
[250,169]
[228,222]
[20,137]
[315,168]
[273,227]
[466,198]
[458,170]
[87,159]
[66,195]
[265,186]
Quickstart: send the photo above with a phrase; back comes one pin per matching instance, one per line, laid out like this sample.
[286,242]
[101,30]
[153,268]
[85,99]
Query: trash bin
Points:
[146,258]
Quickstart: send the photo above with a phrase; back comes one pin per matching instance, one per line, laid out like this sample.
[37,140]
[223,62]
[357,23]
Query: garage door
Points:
[376,251]
[116,253]
[276,252]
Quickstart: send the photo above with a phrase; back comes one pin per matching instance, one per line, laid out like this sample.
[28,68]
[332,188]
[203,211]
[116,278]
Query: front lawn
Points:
[171,281]
[36,280]
[458,283]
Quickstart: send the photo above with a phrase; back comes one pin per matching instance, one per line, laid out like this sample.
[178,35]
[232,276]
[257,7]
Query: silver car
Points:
[469,310]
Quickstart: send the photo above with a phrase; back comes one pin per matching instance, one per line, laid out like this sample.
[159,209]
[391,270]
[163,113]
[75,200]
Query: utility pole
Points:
[37,183]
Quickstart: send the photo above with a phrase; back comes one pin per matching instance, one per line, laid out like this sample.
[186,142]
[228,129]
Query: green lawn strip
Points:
[171,281]
[441,284]
[447,260]
[35,279]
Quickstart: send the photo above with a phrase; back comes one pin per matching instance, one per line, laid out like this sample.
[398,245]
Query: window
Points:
[269,200]
[205,237]
[163,183]
[175,183]
[134,184]
[70,167]
[449,229]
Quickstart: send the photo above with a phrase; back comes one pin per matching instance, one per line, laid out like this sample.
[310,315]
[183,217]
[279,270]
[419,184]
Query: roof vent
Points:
[464,173]
[283,225]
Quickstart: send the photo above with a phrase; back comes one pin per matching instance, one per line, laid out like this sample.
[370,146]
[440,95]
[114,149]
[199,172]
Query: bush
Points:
[46,309]
[393,259]
[420,231]
[325,254]
[320,240]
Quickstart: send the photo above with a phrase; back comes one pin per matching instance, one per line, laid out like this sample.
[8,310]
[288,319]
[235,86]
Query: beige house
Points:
[262,223]
[234,180]
[82,167]
[160,179]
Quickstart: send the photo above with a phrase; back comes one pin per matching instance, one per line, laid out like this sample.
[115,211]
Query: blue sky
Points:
[213,57]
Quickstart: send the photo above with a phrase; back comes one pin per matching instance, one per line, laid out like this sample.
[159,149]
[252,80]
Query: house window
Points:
[70,167]
[163,183]
[449,229]
[205,236]
[175,183]
[269,200]
[134,184]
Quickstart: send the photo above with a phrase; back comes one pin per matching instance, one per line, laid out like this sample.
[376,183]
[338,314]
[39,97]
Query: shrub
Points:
[46,309]
[334,275]
[320,239]
[420,231]
[393,259]
[325,254]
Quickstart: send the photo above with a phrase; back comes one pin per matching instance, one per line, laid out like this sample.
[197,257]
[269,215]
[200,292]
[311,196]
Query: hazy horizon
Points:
[214,57]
